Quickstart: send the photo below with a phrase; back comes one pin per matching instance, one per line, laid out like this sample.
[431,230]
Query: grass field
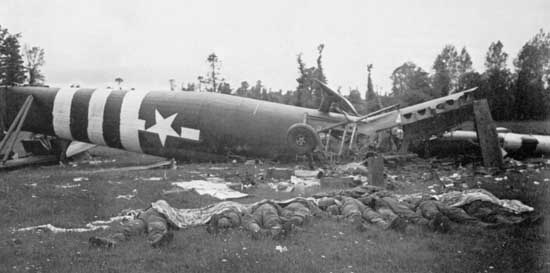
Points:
[41,195]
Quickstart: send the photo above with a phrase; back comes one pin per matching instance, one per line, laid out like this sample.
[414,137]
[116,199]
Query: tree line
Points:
[18,65]
[521,93]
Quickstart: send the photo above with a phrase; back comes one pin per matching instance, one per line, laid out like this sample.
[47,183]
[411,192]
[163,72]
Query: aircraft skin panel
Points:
[96,108]
[61,113]
[111,119]
[79,114]
[130,124]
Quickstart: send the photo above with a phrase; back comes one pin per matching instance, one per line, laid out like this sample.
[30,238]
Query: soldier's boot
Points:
[157,230]
[440,223]
[212,226]
[102,242]
[164,239]
[398,224]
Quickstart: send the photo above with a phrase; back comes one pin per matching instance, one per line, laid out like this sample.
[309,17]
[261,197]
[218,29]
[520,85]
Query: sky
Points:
[149,42]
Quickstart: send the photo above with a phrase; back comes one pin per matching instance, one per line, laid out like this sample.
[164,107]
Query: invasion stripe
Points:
[130,124]
[61,113]
[111,119]
[79,114]
[96,109]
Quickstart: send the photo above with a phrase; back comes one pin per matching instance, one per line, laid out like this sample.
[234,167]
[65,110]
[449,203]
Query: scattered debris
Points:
[68,186]
[281,248]
[303,184]
[279,173]
[95,225]
[352,168]
[151,179]
[335,182]
[129,196]
[309,173]
[162,164]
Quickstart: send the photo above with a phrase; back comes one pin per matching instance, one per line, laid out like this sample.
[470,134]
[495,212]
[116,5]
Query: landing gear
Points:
[302,138]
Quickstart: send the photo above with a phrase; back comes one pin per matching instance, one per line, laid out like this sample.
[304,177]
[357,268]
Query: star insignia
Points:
[163,127]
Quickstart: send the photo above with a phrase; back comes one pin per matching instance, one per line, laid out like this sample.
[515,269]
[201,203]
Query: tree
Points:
[119,81]
[464,63]
[411,84]
[318,74]
[12,70]
[225,88]
[497,83]
[496,58]
[469,80]
[243,89]
[309,92]
[256,91]
[214,73]
[448,67]
[370,94]
[35,60]
[533,74]
[188,87]
[11,61]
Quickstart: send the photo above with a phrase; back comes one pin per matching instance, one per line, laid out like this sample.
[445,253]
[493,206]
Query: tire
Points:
[302,138]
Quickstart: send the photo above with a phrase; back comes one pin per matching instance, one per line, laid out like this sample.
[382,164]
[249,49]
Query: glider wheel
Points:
[302,138]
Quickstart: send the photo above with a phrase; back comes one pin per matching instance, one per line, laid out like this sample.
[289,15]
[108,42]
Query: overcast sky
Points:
[148,42]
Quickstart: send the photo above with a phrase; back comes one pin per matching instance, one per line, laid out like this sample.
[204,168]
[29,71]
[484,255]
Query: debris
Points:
[352,168]
[253,162]
[128,196]
[78,179]
[95,225]
[281,186]
[281,248]
[278,173]
[303,184]
[152,179]
[330,182]
[215,189]
[235,186]
[309,173]
[161,164]
[68,186]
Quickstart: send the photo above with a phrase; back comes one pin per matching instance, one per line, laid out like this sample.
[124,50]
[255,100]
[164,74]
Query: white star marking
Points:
[163,127]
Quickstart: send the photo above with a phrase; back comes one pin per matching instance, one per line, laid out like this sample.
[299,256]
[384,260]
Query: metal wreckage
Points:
[189,124]
[185,125]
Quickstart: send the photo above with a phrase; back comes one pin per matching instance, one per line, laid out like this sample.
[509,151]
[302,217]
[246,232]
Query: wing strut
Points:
[11,136]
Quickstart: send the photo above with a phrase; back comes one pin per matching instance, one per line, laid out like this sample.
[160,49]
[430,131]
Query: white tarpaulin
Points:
[216,189]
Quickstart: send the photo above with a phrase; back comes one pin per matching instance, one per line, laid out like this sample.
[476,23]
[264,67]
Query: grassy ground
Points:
[34,196]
